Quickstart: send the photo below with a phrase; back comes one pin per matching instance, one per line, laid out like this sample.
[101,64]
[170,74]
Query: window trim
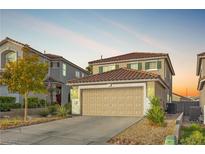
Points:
[77,72]
[10,53]
[152,69]
[136,63]
[64,70]
[103,66]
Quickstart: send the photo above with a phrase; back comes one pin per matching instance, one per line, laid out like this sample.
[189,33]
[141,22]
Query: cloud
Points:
[144,38]
[61,32]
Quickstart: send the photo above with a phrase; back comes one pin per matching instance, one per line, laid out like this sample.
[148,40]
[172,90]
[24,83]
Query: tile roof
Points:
[120,74]
[129,56]
[52,56]
[47,56]
[201,54]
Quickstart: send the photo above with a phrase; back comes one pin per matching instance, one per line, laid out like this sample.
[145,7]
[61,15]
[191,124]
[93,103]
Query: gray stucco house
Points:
[60,71]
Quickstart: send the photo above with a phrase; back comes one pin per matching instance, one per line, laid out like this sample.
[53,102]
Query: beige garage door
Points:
[113,101]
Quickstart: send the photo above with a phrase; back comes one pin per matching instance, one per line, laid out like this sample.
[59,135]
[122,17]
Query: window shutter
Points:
[159,65]
[116,66]
[147,66]
[100,69]
[129,66]
[139,66]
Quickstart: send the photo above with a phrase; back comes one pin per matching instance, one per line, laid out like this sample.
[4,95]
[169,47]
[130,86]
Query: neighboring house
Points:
[180,98]
[201,73]
[123,85]
[60,71]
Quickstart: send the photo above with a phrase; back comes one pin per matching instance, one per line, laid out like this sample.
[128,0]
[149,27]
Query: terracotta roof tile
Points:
[201,54]
[133,55]
[52,56]
[121,74]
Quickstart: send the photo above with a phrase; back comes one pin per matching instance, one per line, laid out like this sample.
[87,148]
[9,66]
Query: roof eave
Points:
[199,57]
[119,81]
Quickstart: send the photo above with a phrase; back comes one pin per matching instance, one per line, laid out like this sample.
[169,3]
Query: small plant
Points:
[53,109]
[156,114]
[196,138]
[68,107]
[44,112]
[62,111]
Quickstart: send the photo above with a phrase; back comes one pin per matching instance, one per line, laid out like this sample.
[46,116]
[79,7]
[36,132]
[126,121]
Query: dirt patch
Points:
[143,133]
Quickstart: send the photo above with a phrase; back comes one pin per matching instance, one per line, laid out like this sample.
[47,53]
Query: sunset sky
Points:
[84,35]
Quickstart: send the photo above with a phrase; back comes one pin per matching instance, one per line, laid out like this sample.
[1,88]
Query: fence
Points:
[179,107]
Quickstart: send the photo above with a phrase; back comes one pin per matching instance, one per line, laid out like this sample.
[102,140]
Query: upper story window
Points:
[77,74]
[82,74]
[107,68]
[10,57]
[64,69]
[54,64]
[154,65]
[58,64]
[137,66]
[51,64]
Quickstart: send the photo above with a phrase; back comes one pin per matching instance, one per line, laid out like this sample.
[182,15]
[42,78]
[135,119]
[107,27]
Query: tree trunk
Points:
[25,106]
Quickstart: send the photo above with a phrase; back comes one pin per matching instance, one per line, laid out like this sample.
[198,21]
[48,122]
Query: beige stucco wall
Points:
[156,89]
[124,65]
[152,89]
[202,97]
[202,69]
[160,92]
[164,72]
[8,46]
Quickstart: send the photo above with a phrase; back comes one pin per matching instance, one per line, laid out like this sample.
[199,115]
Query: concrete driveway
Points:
[78,130]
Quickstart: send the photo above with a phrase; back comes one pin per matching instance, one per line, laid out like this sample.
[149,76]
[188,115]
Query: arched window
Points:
[10,57]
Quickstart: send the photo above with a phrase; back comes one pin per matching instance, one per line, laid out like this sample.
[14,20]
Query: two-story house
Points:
[60,70]
[200,71]
[123,85]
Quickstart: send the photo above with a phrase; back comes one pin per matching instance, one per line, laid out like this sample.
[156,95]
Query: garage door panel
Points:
[113,101]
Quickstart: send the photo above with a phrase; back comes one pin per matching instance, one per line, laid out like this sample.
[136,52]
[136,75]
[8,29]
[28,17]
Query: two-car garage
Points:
[121,92]
[112,101]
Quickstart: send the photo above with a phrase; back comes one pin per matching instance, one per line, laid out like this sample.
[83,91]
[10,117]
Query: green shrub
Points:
[62,111]
[34,102]
[156,114]
[4,107]
[7,99]
[196,138]
[6,103]
[68,107]
[44,112]
[42,103]
[53,109]
[194,127]
[16,105]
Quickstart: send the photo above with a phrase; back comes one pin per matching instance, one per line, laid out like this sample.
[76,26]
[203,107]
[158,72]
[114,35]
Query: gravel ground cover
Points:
[143,133]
